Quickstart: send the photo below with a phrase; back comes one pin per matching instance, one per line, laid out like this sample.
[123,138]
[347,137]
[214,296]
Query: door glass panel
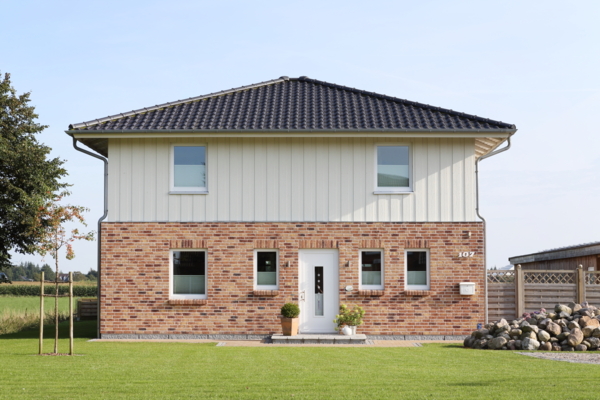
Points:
[319,291]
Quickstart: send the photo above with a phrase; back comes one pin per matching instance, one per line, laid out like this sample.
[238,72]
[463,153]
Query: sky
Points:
[534,64]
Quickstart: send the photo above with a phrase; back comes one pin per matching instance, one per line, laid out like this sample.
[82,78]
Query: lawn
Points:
[141,370]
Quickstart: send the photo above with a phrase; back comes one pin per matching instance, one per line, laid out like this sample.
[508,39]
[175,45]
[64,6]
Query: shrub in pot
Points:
[289,322]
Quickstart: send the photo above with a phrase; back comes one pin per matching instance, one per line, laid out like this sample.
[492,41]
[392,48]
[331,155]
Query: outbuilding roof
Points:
[579,250]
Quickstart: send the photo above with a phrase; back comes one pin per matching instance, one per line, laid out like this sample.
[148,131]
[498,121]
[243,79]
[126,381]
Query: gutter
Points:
[493,153]
[102,218]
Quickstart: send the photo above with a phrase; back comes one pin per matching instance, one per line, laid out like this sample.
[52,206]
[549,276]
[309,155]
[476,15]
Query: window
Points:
[393,169]
[189,168]
[417,269]
[371,269]
[267,272]
[188,274]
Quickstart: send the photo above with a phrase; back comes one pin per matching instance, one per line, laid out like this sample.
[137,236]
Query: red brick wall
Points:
[135,276]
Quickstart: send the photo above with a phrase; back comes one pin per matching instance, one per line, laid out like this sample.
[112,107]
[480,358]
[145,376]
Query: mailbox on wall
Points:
[467,288]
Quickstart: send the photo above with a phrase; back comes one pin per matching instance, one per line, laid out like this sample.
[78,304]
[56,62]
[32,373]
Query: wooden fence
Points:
[511,293]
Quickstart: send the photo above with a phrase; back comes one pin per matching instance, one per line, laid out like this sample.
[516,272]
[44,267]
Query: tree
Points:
[28,179]
[49,275]
[54,215]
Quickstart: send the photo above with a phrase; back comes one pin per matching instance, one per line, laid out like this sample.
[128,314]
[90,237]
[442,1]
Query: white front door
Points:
[319,290]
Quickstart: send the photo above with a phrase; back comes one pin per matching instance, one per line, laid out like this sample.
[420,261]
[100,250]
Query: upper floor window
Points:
[371,269]
[393,169]
[188,172]
[266,269]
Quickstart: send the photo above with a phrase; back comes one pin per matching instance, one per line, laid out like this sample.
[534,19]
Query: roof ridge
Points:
[404,101]
[174,103]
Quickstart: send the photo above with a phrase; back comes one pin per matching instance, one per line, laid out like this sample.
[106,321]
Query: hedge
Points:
[34,290]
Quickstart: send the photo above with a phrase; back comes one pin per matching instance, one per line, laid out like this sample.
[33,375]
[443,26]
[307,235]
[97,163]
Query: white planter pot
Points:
[347,330]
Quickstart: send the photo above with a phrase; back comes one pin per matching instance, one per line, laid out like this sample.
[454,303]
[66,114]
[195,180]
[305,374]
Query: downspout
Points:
[102,218]
[493,153]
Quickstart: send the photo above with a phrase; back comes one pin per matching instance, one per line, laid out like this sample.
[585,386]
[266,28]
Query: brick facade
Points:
[135,276]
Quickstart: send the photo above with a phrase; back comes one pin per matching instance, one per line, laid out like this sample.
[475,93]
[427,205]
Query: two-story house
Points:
[223,207]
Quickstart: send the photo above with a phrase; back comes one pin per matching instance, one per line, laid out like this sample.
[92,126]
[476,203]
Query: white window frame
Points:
[398,189]
[371,287]
[186,190]
[188,296]
[266,287]
[417,287]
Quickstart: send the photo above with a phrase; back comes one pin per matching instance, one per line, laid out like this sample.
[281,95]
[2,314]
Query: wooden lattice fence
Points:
[511,293]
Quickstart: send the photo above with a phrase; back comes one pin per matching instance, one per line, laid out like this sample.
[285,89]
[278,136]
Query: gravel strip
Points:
[571,357]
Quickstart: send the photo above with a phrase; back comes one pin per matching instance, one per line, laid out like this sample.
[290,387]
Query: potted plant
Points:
[289,322]
[348,319]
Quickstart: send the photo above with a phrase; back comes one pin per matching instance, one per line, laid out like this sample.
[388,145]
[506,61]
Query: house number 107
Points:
[466,254]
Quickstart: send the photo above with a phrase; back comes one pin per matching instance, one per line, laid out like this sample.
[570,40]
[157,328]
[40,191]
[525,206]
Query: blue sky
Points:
[535,64]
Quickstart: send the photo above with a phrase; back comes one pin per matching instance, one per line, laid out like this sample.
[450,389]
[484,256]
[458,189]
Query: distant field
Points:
[46,283]
[23,312]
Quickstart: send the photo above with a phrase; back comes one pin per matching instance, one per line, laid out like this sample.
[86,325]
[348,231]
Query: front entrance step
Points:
[320,338]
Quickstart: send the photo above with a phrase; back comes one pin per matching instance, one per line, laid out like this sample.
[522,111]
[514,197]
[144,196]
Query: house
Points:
[223,207]
[563,258]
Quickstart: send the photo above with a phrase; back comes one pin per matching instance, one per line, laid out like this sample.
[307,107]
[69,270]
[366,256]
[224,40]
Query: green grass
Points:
[111,370]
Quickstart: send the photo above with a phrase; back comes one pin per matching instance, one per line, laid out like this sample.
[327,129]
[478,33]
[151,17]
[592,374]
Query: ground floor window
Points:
[371,269]
[266,269]
[417,269]
[188,274]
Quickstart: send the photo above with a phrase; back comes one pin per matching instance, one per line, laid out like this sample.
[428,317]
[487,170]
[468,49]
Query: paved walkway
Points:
[260,343]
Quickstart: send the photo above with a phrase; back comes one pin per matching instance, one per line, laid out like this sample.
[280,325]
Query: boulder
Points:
[564,314]
[553,329]
[532,321]
[563,336]
[572,325]
[556,347]
[552,316]
[591,322]
[567,348]
[562,322]
[543,324]
[481,333]
[480,344]
[560,308]
[577,307]
[530,335]
[581,347]
[515,332]
[518,344]
[511,345]
[543,336]
[545,346]
[504,335]
[468,342]
[497,343]
[594,342]
[575,338]
[596,333]
[586,312]
[530,344]
[530,328]
[587,331]
[501,325]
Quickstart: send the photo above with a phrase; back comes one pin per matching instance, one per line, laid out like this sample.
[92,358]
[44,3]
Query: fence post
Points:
[71,313]
[580,284]
[42,312]
[519,291]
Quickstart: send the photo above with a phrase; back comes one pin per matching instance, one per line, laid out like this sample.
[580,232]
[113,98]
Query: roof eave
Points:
[128,133]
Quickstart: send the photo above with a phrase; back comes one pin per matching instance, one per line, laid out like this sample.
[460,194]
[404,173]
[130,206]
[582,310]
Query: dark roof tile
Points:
[292,104]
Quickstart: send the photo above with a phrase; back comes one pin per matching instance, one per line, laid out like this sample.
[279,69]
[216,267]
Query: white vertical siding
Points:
[292,179]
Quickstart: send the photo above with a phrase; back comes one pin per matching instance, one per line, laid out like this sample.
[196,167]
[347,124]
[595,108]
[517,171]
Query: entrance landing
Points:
[320,338]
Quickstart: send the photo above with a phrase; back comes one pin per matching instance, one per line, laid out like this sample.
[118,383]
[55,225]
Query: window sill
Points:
[188,192]
[418,292]
[371,292]
[185,302]
[265,293]
[392,192]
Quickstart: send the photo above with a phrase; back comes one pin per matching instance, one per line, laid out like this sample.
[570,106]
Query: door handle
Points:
[302,296]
